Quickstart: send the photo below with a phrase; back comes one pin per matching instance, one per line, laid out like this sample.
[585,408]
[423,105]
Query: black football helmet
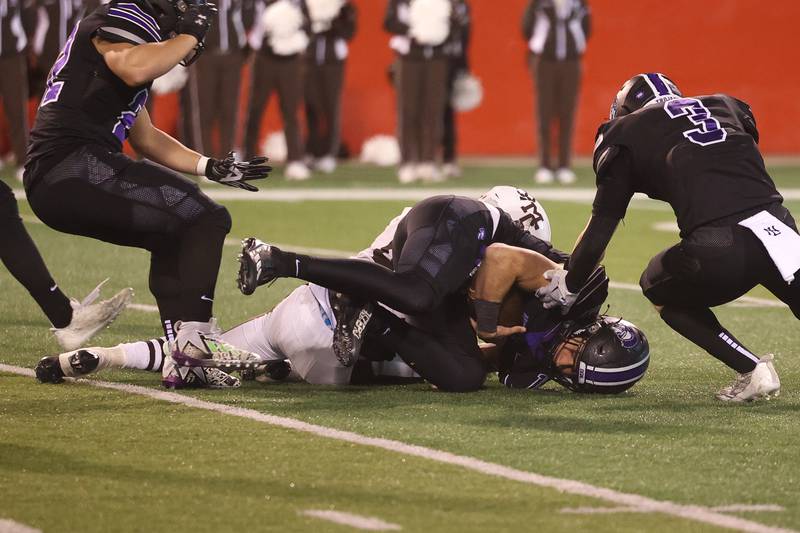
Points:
[610,356]
[167,13]
[640,90]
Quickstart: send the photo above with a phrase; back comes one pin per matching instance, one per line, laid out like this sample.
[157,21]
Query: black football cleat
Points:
[352,319]
[48,370]
[256,265]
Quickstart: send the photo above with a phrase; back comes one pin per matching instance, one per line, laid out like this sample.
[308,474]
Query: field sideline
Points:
[665,456]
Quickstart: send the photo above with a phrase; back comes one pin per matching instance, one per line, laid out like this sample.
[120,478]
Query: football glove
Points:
[234,173]
[556,294]
[196,20]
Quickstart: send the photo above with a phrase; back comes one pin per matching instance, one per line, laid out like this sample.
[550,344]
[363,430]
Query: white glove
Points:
[556,294]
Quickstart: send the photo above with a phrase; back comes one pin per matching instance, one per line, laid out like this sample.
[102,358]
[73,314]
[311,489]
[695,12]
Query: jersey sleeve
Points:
[129,22]
[746,117]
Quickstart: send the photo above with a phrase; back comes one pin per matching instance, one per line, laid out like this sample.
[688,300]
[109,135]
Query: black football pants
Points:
[715,265]
[107,196]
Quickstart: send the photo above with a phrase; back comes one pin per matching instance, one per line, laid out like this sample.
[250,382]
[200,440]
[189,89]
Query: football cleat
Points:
[256,265]
[762,383]
[51,369]
[176,376]
[352,320]
[90,316]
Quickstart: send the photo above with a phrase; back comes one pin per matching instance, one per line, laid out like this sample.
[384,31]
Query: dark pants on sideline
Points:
[323,95]
[14,93]
[422,88]
[218,82]
[557,86]
[450,133]
[284,75]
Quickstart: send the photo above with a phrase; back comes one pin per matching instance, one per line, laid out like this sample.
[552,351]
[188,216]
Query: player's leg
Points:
[290,90]
[434,257]
[545,106]
[21,257]
[14,92]
[714,267]
[333,81]
[262,83]
[447,357]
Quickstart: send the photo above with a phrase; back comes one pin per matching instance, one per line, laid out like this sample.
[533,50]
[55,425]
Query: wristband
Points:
[486,314]
[202,166]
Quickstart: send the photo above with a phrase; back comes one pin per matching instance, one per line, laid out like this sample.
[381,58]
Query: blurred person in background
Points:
[456,49]
[49,23]
[421,30]
[556,31]
[14,76]
[280,37]
[333,24]
[217,78]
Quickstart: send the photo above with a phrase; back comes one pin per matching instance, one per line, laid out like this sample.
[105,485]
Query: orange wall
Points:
[733,46]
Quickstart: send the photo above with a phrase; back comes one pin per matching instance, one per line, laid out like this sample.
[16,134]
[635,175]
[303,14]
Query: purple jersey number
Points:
[53,88]
[127,118]
[708,129]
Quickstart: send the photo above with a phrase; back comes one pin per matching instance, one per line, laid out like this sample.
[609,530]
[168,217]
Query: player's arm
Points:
[502,268]
[162,148]
[614,193]
[142,63]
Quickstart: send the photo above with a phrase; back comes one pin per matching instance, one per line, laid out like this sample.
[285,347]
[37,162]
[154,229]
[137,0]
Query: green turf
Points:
[75,458]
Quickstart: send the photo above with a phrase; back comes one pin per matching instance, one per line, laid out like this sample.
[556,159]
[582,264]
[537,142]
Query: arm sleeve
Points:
[614,188]
[128,23]
[588,252]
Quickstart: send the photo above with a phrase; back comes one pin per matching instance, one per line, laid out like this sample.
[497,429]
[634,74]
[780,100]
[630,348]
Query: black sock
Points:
[440,365]
[702,328]
[406,292]
[22,259]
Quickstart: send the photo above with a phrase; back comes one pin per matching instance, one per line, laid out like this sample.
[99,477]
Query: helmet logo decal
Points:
[535,217]
[626,335]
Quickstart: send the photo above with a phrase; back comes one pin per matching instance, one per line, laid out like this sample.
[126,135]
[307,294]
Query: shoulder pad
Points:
[128,22]
[603,158]
[747,118]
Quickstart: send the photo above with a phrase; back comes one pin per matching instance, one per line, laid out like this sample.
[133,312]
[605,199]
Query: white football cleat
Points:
[296,171]
[565,175]
[430,173]
[762,383]
[544,176]
[407,173]
[326,165]
[89,317]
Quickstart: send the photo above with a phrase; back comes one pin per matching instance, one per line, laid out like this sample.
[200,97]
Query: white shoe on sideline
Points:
[407,173]
[89,317]
[429,173]
[451,170]
[762,383]
[326,165]
[544,176]
[296,171]
[565,175]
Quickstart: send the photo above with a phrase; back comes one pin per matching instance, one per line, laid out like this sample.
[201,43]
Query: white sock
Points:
[144,355]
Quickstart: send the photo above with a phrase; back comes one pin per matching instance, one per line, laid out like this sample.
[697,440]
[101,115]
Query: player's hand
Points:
[196,20]
[555,294]
[233,173]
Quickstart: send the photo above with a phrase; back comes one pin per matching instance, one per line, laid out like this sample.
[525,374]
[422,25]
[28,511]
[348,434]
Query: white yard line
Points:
[689,512]
[735,508]
[9,526]
[353,520]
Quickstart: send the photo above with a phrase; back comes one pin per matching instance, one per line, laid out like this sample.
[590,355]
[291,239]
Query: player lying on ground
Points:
[73,322]
[581,351]
[78,180]
[700,155]
[435,249]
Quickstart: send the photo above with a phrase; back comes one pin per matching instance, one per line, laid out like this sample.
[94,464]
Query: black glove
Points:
[196,20]
[232,173]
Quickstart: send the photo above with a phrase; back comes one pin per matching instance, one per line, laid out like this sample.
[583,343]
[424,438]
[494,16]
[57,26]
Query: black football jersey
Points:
[698,154]
[84,101]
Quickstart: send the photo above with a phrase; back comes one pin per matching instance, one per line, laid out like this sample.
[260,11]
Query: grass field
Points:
[80,458]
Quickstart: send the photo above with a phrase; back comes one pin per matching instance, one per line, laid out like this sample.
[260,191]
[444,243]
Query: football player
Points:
[436,248]
[78,180]
[699,154]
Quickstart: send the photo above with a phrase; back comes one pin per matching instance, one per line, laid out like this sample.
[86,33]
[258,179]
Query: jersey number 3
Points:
[708,130]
